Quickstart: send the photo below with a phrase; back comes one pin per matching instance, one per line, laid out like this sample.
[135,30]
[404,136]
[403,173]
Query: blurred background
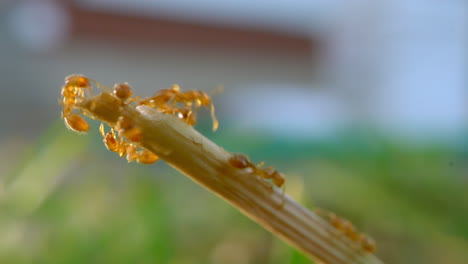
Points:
[361,103]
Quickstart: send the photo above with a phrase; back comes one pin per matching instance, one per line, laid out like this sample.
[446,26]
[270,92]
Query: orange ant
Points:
[125,127]
[78,81]
[165,100]
[200,98]
[72,92]
[241,161]
[366,243]
[271,174]
[161,98]
[125,148]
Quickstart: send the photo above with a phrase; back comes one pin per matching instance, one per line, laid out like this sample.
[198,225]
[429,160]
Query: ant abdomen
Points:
[146,157]
[77,81]
[239,161]
[76,123]
[123,91]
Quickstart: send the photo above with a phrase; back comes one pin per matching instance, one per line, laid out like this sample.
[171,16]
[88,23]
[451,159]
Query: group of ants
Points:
[185,106]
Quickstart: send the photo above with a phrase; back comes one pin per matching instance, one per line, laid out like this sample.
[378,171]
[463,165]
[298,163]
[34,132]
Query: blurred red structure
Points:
[87,23]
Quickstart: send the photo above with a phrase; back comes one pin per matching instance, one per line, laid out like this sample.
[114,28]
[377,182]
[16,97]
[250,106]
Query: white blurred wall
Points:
[403,64]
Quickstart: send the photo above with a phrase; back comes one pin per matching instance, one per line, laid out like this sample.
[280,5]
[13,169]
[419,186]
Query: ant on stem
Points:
[166,101]
[241,161]
[366,243]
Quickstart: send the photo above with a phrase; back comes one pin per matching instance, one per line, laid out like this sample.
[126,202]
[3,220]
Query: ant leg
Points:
[283,196]
[101,130]
[98,85]
[131,100]
[110,140]
[213,117]
[131,153]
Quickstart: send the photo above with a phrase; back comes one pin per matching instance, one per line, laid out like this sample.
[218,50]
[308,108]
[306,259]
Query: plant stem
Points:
[206,163]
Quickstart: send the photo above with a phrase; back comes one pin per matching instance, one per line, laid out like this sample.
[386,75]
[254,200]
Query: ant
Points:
[125,148]
[200,98]
[72,92]
[125,127]
[241,161]
[161,98]
[366,243]
[165,100]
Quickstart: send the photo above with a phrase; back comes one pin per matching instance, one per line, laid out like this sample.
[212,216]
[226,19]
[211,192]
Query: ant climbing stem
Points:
[169,101]
[75,90]
[80,81]
[127,129]
[278,179]
[366,244]
[110,140]
[241,161]
[127,149]
[125,142]
[200,98]
[72,93]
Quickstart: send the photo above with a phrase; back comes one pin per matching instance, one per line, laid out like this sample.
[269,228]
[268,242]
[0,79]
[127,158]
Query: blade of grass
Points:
[206,163]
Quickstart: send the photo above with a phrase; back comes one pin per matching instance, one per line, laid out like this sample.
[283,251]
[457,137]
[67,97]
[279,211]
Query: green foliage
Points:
[298,258]
[67,200]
